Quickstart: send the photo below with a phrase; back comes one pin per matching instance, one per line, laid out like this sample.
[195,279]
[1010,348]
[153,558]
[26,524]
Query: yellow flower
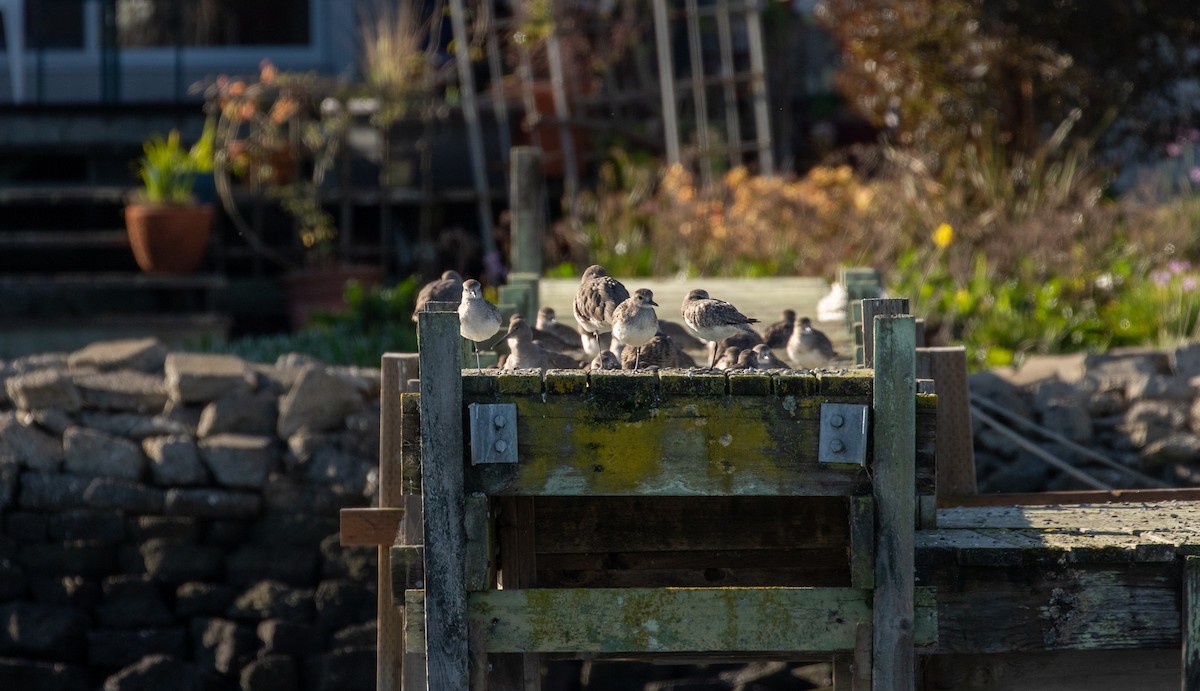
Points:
[943,236]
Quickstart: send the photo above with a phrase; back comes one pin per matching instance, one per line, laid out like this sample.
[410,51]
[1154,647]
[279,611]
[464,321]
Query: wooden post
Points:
[442,499]
[871,308]
[389,642]
[895,500]
[666,79]
[515,671]
[527,204]
[1191,623]
[955,442]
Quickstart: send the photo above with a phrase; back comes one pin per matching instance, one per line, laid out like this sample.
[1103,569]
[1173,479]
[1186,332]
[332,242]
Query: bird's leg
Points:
[478,367]
[637,358]
[713,364]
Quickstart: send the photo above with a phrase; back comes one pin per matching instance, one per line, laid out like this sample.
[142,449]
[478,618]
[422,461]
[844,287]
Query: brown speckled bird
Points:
[776,335]
[713,320]
[809,347]
[526,354]
[448,288]
[595,301]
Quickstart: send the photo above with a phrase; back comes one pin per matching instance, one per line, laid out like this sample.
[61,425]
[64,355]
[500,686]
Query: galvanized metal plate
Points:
[493,433]
[843,434]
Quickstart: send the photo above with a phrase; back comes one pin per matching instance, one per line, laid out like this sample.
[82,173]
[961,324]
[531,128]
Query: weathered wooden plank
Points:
[1144,670]
[1134,496]
[1191,623]
[517,534]
[955,442]
[875,307]
[749,384]
[442,448]
[663,524]
[894,662]
[381,526]
[677,620]
[1031,608]
[410,443]
[408,570]
[679,383]
[639,388]
[862,541]
[527,200]
[819,567]
[1122,517]
[479,548]
[369,527]
[565,381]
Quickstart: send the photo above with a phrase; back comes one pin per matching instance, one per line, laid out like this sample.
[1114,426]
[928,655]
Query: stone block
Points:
[240,413]
[204,377]
[294,529]
[281,637]
[228,534]
[319,401]
[19,675]
[132,602]
[1182,447]
[28,446]
[364,379]
[115,648]
[10,478]
[339,561]
[45,388]
[75,558]
[85,524]
[131,425]
[52,492]
[1072,421]
[50,630]
[222,645]
[185,416]
[270,673]
[79,593]
[53,420]
[156,673]
[212,503]
[341,603]
[178,562]
[291,565]
[39,361]
[174,460]
[273,600]
[346,669]
[140,354]
[195,599]
[362,635]
[1146,422]
[95,453]
[1185,361]
[239,460]
[333,466]
[1161,387]
[124,390]
[125,495]
[179,528]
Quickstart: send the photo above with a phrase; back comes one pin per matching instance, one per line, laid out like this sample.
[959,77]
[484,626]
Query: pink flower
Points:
[1174,149]
[1160,278]
[1178,267]
[1194,175]
[1188,284]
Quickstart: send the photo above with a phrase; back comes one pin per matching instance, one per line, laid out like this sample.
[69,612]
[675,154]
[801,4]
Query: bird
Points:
[605,360]
[809,347]
[745,338]
[767,359]
[444,289]
[680,334]
[832,307]
[660,351]
[545,338]
[595,301]
[713,320]
[776,335]
[634,322]
[478,319]
[746,360]
[547,321]
[527,354]
[729,358]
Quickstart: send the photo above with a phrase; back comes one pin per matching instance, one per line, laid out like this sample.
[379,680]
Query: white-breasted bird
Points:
[634,322]
[595,301]
[809,347]
[713,320]
[478,319]
[767,359]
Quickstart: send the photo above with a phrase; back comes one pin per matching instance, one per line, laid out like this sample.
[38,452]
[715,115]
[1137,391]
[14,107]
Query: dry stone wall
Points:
[169,521]
[1140,408]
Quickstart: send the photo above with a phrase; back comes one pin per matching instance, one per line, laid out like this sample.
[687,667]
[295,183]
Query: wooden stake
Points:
[527,201]
[955,442]
[871,308]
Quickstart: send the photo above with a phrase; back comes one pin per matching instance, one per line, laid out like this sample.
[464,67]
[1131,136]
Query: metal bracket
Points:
[493,433]
[843,437]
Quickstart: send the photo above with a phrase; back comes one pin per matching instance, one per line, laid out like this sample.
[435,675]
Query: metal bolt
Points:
[500,445]
[499,421]
[837,446]
[836,421]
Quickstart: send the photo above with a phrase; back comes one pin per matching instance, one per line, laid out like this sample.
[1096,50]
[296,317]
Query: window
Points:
[195,23]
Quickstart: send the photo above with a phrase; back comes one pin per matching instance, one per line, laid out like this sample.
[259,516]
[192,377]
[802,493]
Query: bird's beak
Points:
[652,303]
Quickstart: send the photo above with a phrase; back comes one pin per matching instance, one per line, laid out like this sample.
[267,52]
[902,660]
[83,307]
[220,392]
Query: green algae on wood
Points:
[565,381]
[685,383]
[749,384]
[519,382]
[478,382]
[670,620]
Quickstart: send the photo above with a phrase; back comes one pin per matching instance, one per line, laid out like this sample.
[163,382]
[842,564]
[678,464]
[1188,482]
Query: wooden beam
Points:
[1191,624]
[955,441]
[894,661]
[676,620]
[442,449]
[1144,670]
[527,201]
[1086,496]
[369,527]
[871,308]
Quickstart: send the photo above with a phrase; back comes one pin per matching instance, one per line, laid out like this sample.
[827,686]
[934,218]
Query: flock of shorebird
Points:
[622,331]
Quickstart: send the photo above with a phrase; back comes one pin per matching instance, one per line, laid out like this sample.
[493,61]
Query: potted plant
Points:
[168,231]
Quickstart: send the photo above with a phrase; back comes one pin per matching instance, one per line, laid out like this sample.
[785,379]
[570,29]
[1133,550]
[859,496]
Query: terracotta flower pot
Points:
[168,239]
[321,288]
